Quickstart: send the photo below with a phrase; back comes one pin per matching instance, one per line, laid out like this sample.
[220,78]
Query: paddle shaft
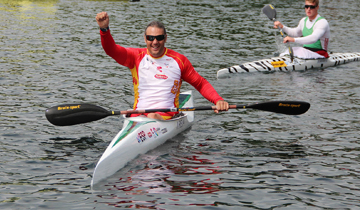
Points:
[288,44]
[198,108]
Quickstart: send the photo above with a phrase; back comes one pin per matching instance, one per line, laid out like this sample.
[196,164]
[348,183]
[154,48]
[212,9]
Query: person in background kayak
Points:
[156,70]
[313,32]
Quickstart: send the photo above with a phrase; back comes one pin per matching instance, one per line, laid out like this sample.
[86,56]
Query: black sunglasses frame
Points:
[152,38]
[310,6]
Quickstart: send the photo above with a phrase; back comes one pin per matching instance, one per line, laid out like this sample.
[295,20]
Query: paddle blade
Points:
[73,114]
[283,107]
[269,11]
[291,53]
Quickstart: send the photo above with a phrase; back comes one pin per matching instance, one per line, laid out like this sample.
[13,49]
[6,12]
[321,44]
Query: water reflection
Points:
[26,32]
[29,9]
[179,175]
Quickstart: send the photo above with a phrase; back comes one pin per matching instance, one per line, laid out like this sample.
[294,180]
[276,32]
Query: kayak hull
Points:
[284,64]
[138,136]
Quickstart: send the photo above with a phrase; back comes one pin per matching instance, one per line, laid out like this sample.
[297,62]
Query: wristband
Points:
[104,29]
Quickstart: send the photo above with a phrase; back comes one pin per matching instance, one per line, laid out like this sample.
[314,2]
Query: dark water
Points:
[243,159]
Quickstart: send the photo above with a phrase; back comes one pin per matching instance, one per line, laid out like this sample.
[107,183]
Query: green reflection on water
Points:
[23,6]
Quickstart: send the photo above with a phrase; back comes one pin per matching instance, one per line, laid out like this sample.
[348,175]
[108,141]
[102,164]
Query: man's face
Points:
[311,13]
[155,47]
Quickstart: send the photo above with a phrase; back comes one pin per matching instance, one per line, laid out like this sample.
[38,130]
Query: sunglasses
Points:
[152,38]
[310,6]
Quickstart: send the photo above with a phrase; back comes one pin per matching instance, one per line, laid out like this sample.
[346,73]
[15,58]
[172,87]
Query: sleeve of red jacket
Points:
[191,76]
[117,52]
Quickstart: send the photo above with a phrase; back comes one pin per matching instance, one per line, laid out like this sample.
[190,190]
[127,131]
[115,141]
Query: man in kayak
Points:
[156,70]
[313,32]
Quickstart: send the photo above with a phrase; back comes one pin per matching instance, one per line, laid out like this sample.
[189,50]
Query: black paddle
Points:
[270,12]
[72,114]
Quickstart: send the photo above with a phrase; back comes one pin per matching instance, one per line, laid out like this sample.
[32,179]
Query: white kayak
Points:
[140,135]
[284,64]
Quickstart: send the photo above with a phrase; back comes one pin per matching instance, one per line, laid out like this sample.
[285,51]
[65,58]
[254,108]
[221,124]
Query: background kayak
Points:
[284,64]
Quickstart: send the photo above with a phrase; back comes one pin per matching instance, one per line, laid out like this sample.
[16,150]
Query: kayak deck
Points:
[140,135]
[284,64]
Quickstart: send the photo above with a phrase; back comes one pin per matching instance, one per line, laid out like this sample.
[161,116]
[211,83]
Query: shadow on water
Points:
[81,144]
[65,149]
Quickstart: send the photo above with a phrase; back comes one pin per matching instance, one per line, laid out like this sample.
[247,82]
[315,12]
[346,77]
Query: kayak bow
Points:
[138,136]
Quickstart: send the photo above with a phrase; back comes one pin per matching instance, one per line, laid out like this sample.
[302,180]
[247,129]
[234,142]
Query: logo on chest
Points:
[161,76]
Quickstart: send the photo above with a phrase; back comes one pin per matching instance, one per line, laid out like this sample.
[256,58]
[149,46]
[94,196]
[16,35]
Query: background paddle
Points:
[73,114]
[270,12]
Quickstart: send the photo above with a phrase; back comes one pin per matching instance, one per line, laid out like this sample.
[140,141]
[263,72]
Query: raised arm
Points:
[112,49]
